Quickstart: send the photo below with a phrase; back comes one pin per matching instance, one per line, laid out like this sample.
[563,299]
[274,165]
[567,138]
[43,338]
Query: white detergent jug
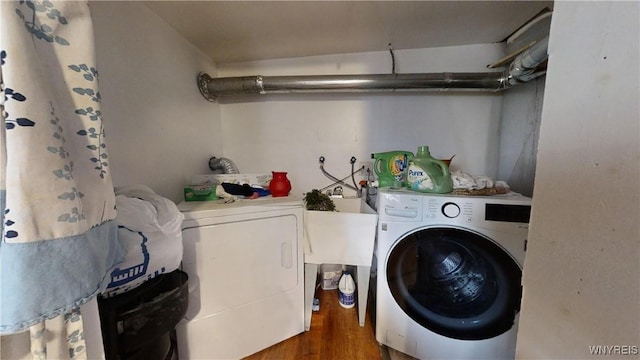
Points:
[346,291]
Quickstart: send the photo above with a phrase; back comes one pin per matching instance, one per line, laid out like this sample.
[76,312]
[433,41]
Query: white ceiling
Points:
[232,31]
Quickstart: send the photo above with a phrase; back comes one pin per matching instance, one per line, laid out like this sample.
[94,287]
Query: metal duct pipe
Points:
[525,66]
[212,88]
[227,166]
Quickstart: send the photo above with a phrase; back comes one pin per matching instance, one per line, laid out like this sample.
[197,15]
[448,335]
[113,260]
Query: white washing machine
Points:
[246,276]
[449,272]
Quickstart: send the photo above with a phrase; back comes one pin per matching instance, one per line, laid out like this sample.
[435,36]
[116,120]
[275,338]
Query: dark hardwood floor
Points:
[334,334]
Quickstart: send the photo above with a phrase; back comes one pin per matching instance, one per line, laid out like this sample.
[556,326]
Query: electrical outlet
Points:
[367,171]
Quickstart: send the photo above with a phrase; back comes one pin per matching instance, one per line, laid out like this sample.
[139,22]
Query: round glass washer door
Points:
[455,282]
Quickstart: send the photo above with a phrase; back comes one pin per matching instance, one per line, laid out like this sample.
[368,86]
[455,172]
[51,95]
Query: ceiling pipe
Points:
[523,68]
[212,88]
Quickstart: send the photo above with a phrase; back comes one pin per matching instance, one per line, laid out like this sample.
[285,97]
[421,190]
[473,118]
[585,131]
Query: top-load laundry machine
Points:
[449,273]
[246,276]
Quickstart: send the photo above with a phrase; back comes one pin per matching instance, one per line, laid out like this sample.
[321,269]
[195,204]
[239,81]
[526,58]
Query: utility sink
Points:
[343,237]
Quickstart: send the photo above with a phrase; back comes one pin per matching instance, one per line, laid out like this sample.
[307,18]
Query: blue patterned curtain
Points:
[58,229]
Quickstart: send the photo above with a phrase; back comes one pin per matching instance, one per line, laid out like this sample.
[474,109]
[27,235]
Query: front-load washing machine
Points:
[449,272]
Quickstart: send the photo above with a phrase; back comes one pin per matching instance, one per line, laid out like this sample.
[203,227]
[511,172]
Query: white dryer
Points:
[246,276]
[449,273]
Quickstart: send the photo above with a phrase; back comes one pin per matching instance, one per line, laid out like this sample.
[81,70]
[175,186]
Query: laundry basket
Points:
[140,324]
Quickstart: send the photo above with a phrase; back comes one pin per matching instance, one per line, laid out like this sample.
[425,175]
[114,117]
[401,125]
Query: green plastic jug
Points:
[391,168]
[426,174]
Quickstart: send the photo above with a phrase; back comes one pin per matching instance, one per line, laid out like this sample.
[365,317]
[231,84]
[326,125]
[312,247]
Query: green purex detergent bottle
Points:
[426,174]
[391,168]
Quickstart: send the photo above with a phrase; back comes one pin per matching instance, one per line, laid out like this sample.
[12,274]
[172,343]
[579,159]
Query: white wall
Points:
[581,273]
[519,132]
[160,129]
[290,132]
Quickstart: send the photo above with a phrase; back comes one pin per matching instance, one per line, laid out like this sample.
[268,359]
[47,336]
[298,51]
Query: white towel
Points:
[462,180]
[483,182]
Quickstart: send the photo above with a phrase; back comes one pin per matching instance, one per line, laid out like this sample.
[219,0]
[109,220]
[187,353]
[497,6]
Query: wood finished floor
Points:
[334,334]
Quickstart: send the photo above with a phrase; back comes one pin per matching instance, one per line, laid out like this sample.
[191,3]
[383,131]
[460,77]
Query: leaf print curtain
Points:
[58,228]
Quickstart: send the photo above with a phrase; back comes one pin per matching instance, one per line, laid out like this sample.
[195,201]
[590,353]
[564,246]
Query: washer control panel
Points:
[498,212]
[445,209]
[451,210]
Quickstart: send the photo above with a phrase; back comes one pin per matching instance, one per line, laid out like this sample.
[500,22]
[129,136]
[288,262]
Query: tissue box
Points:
[199,193]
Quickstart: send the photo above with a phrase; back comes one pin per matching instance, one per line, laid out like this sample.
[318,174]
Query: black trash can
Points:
[140,324]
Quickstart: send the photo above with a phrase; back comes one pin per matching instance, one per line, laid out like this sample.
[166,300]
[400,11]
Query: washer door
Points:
[455,283]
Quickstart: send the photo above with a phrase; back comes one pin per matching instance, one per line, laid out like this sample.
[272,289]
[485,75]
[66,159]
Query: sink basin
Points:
[349,205]
[343,237]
